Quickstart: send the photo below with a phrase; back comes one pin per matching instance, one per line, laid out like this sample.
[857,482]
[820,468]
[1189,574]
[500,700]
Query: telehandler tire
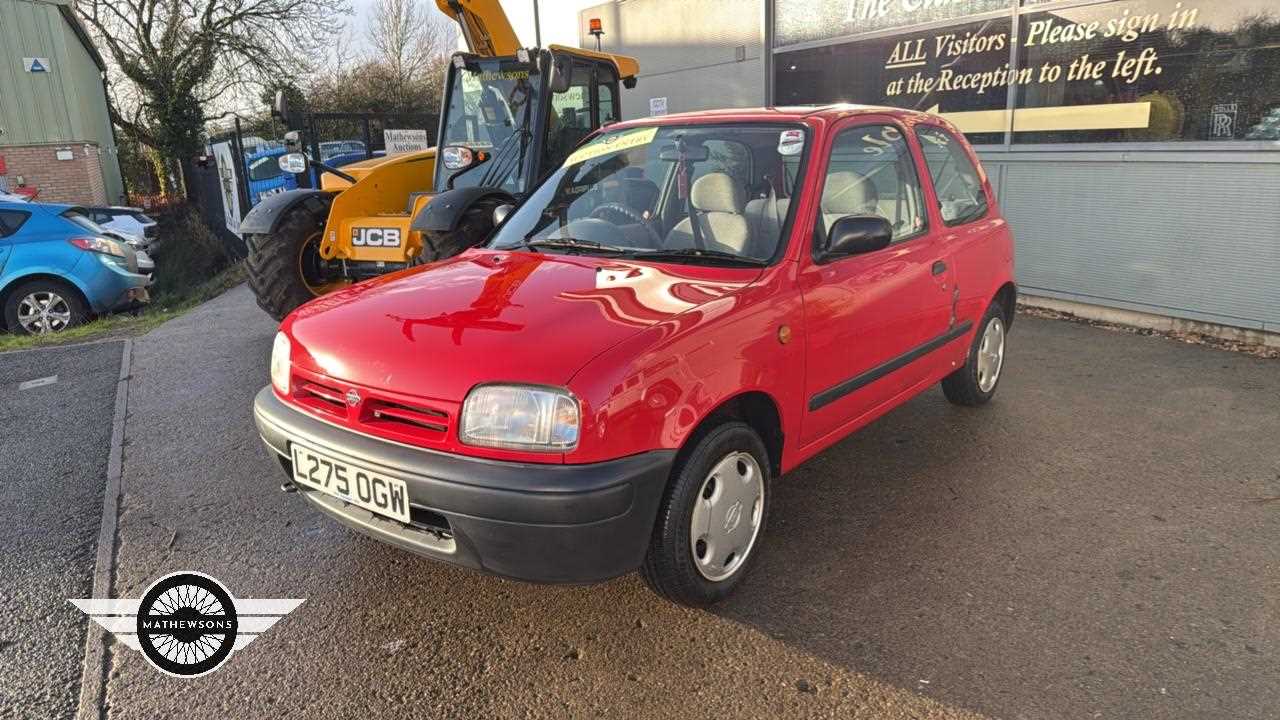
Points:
[473,229]
[285,268]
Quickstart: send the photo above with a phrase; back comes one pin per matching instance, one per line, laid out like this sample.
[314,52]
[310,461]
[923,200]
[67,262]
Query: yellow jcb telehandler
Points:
[508,116]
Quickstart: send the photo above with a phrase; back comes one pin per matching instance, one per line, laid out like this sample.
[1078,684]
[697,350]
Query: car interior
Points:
[737,188]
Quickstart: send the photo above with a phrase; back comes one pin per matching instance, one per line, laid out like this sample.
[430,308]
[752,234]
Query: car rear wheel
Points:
[975,383]
[41,307]
[712,517]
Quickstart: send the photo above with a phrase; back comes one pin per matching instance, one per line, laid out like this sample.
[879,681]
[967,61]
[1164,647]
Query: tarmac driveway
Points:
[1098,542]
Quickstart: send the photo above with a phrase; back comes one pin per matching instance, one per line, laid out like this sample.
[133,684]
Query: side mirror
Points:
[294,163]
[561,73]
[501,212]
[280,106]
[858,234]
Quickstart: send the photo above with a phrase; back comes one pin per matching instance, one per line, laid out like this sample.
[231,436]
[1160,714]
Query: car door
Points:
[963,203]
[870,318]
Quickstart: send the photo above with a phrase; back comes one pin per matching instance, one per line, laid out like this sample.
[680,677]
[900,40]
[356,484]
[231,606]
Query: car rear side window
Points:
[872,173]
[956,180]
[11,221]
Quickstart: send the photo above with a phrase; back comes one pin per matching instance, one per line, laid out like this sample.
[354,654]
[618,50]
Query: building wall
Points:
[66,105]
[77,181]
[698,55]
[1193,235]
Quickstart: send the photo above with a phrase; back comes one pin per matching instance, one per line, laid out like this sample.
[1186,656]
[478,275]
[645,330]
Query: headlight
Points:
[520,417]
[280,363]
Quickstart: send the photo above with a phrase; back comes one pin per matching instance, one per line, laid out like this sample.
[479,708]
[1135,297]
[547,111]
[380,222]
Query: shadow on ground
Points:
[1091,544]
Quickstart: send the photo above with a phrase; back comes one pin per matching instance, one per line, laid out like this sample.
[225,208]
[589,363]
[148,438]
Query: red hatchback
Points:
[688,308]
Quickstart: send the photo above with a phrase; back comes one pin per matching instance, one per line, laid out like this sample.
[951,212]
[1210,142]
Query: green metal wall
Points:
[65,105]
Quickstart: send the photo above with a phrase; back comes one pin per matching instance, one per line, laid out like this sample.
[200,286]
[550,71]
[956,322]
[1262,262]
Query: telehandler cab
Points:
[508,116]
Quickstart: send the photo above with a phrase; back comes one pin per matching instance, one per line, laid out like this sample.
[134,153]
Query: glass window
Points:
[11,221]
[621,195]
[606,79]
[265,168]
[956,181]
[489,100]
[960,69]
[872,173]
[570,119]
[1150,70]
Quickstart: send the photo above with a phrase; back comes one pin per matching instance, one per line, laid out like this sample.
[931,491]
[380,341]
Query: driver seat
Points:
[717,203]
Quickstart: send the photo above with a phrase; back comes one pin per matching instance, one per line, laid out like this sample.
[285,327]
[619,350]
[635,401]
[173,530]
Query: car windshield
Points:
[489,102]
[675,193]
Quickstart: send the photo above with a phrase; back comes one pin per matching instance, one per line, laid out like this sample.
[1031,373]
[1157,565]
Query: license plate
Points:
[358,485]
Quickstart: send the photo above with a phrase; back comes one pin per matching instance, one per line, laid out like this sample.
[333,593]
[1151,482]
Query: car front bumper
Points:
[529,521]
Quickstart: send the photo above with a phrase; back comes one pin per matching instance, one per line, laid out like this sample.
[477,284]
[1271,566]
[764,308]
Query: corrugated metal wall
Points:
[1192,235]
[66,104]
[698,55]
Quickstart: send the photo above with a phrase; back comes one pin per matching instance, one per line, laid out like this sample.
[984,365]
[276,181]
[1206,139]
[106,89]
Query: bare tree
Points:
[408,42]
[173,59]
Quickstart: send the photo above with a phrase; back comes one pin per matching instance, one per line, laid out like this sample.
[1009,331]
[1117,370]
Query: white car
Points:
[127,220]
[12,197]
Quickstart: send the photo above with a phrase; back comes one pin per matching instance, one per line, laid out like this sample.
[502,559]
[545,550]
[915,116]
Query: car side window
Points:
[11,221]
[871,172]
[956,181]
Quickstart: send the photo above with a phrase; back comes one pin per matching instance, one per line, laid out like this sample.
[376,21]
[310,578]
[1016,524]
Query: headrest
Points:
[848,193]
[717,192]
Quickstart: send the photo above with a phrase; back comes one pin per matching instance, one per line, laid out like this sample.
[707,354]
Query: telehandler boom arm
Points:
[484,25]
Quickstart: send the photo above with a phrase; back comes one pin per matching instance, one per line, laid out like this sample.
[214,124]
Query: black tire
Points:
[473,229]
[669,566]
[274,264]
[77,310]
[964,386]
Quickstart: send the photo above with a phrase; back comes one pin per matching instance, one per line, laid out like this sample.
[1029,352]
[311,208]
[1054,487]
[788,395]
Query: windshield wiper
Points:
[718,256]
[574,244]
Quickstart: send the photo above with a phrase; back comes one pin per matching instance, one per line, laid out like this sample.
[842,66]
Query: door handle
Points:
[939,267]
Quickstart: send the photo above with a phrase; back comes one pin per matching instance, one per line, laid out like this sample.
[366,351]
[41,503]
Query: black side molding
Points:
[832,394]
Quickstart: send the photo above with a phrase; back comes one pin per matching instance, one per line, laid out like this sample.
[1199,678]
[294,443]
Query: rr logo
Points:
[375,237]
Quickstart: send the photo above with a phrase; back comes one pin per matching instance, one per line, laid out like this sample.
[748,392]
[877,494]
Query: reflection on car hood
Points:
[487,316]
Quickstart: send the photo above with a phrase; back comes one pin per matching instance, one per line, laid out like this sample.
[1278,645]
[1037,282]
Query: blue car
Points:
[57,269]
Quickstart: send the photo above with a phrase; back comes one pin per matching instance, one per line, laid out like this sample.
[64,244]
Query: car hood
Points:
[491,316]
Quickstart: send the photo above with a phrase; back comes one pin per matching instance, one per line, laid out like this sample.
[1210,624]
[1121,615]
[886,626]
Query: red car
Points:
[688,308]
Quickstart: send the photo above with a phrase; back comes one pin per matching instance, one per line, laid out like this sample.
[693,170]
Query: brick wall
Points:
[78,180]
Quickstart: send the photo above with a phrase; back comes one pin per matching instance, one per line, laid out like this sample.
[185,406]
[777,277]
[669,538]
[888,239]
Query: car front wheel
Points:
[711,519]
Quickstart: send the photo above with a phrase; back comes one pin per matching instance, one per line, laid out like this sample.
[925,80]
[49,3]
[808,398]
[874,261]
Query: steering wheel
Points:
[630,214]
[626,212]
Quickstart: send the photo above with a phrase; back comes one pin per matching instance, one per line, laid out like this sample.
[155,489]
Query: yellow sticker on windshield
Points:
[612,143]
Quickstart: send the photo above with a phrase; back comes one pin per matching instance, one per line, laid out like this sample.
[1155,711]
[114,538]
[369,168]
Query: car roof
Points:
[17,205]
[775,114]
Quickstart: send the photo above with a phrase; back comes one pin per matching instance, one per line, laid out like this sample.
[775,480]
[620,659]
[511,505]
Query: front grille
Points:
[389,415]
[318,396]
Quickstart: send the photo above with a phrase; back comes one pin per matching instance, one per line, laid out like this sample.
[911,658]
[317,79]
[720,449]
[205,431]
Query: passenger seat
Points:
[718,203]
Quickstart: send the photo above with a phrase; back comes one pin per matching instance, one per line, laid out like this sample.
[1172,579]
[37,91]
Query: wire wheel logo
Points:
[187,624]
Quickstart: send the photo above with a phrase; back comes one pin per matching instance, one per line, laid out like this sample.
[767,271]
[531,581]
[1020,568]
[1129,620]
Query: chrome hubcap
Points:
[43,312]
[991,355]
[726,516]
